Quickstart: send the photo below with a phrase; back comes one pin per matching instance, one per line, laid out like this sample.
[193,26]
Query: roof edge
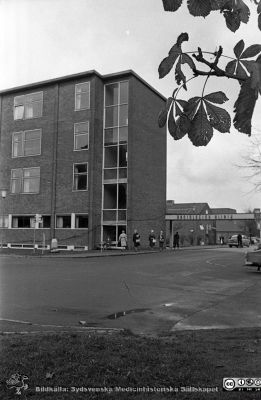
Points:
[81,75]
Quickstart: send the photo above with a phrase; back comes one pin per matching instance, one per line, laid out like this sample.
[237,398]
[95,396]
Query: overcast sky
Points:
[43,39]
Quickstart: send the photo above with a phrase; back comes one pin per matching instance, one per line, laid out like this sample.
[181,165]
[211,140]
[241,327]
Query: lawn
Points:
[74,365]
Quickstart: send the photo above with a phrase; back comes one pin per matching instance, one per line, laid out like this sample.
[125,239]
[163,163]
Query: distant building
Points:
[197,223]
[223,211]
[84,153]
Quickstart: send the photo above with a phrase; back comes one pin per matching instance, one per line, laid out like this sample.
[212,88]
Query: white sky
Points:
[43,39]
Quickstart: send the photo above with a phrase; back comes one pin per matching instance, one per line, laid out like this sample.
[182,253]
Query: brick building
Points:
[197,223]
[85,153]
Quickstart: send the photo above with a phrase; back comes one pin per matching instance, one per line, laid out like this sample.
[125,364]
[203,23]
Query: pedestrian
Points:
[152,239]
[176,240]
[123,239]
[161,240]
[108,243]
[239,240]
[136,239]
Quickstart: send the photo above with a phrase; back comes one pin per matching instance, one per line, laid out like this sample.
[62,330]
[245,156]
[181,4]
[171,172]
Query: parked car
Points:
[255,240]
[232,241]
[253,259]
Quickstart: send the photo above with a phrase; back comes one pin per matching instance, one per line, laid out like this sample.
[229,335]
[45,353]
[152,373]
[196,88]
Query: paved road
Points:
[145,293]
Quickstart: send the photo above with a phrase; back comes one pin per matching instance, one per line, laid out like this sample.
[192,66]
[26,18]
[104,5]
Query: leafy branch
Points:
[234,11]
[213,66]
[198,116]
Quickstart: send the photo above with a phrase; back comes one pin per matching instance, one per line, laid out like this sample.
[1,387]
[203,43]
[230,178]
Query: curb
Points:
[102,254]
[72,331]
[59,329]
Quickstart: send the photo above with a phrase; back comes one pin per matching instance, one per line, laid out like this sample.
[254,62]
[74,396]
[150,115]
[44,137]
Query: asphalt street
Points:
[146,293]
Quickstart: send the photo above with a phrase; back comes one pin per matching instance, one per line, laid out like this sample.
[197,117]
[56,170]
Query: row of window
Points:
[31,105]
[27,180]
[62,221]
[28,143]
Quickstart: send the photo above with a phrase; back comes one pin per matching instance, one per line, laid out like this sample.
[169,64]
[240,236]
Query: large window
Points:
[80,176]
[81,136]
[28,106]
[27,143]
[116,131]
[82,96]
[115,160]
[23,221]
[25,180]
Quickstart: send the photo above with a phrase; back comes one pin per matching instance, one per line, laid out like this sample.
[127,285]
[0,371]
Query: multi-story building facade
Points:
[85,153]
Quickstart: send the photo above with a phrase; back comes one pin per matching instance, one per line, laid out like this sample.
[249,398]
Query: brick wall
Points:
[146,162]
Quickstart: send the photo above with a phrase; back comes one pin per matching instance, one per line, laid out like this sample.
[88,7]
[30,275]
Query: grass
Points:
[83,360]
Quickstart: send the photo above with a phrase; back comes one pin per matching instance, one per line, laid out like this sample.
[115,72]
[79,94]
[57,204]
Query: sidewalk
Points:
[96,253]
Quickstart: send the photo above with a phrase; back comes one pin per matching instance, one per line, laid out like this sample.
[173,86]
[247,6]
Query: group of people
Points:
[123,242]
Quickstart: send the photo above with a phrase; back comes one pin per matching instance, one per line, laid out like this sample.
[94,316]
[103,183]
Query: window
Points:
[110,197]
[23,221]
[117,93]
[46,221]
[112,94]
[111,116]
[123,156]
[28,106]
[115,160]
[63,221]
[25,180]
[110,157]
[81,136]
[82,96]
[80,176]
[4,221]
[110,136]
[27,143]
[122,196]
[81,221]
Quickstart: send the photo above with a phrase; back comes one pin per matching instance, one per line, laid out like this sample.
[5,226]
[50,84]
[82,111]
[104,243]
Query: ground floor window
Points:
[46,221]
[111,233]
[81,221]
[4,221]
[23,221]
[63,221]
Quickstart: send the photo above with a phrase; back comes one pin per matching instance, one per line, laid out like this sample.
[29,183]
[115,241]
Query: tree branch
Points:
[216,71]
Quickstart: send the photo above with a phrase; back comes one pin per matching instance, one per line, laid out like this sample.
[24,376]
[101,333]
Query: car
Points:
[253,258]
[255,240]
[232,241]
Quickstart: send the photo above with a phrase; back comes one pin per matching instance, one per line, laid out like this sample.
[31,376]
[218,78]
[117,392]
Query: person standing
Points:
[176,241]
[152,239]
[161,240]
[123,240]
[239,240]
[136,239]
